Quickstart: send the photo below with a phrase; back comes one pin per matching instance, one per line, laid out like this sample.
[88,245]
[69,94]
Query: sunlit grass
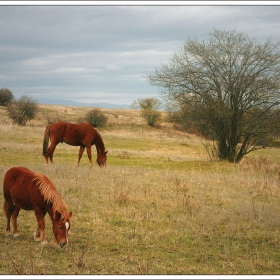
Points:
[131,220]
[159,208]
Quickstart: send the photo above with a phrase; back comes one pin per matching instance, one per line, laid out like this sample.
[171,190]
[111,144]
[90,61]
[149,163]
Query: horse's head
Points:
[61,228]
[101,159]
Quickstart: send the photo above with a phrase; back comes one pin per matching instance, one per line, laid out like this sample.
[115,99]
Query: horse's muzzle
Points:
[62,244]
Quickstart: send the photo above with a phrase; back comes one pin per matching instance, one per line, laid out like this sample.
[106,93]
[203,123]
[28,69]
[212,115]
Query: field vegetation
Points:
[161,206]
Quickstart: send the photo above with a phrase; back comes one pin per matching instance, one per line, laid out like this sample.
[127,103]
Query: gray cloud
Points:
[102,53]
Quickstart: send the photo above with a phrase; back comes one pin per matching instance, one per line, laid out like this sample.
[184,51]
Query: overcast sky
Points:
[102,53]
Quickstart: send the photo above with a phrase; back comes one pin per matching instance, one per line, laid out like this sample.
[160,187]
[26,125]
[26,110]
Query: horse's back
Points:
[82,128]
[57,129]
[16,175]
[20,187]
[60,126]
[79,134]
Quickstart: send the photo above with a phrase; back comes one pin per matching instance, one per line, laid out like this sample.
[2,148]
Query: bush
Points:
[96,118]
[53,117]
[6,96]
[22,110]
[151,116]
[149,108]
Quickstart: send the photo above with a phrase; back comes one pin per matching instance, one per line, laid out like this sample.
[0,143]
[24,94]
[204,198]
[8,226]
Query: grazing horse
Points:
[24,189]
[83,135]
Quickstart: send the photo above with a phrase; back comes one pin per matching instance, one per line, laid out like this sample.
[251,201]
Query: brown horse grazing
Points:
[83,135]
[24,189]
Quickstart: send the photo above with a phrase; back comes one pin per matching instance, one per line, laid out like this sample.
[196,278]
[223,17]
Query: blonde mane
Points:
[50,195]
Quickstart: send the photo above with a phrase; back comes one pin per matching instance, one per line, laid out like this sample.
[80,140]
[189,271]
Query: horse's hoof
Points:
[9,235]
[16,236]
[44,242]
[36,238]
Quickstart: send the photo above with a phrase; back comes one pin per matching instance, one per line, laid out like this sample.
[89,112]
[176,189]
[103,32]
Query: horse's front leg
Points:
[89,155]
[81,150]
[40,232]
[37,235]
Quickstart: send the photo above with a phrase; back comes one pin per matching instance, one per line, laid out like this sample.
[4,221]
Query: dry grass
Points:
[160,207]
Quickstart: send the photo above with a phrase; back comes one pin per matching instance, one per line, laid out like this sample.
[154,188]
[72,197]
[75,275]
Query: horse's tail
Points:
[46,139]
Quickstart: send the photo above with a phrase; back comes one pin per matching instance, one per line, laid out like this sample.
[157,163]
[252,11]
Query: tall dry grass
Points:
[160,207]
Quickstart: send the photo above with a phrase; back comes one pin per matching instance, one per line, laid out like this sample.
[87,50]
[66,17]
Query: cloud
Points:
[103,52]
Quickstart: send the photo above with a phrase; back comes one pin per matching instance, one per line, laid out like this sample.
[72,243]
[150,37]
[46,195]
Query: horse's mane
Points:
[51,195]
[100,141]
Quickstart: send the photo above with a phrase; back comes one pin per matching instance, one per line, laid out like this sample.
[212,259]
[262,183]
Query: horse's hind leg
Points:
[14,221]
[49,153]
[8,208]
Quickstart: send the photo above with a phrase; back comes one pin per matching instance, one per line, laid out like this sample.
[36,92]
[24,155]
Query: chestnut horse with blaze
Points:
[83,135]
[24,189]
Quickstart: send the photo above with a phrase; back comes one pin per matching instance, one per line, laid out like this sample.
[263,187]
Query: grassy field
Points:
[160,207]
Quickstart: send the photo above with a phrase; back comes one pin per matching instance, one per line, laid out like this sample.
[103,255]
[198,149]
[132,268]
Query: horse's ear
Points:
[57,215]
[106,152]
[70,214]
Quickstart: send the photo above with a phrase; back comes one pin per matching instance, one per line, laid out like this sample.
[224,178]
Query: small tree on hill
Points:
[149,107]
[6,96]
[96,118]
[22,110]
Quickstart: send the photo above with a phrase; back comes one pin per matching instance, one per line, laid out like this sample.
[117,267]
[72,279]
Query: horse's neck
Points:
[50,211]
[56,206]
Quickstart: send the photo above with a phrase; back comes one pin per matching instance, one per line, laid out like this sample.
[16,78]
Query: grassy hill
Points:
[160,206]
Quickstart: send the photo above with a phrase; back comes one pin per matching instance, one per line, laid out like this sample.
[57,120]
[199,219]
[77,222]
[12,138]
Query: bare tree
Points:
[6,96]
[22,110]
[228,84]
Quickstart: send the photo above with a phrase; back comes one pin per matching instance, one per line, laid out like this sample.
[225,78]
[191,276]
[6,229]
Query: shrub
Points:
[149,108]
[6,96]
[151,116]
[96,118]
[53,117]
[22,110]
